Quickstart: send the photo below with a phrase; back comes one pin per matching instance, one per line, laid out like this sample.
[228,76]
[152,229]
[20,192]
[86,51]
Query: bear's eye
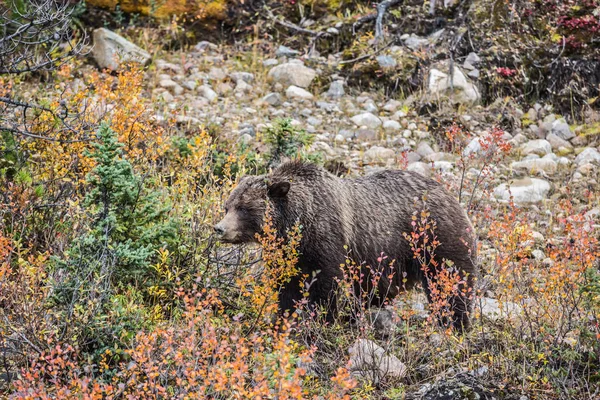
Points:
[226,210]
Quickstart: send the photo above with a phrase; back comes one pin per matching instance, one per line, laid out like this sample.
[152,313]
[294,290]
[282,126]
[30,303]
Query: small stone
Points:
[392,105]
[589,155]
[172,86]
[366,119]
[385,61]
[494,310]
[557,142]
[391,126]
[536,165]
[524,191]
[292,74]
[420,168]
[216,74]
[206,92]
[424,149]
[298,93]
[474,74]
[379,154]
[473,58]
[336,90]
[284,51]
[370,361]
[561,129]
[189,85]
[539,146]
[273,99]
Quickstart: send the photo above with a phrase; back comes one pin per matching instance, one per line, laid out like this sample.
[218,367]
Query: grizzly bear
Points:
[359,218]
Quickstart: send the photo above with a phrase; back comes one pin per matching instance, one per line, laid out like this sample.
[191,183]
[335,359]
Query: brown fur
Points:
[368,214]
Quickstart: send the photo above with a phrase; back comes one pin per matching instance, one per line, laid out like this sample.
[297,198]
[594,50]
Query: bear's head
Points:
[246,206]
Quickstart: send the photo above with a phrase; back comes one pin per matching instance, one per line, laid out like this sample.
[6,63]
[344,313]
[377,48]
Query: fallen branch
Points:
[295,27]
[366,56]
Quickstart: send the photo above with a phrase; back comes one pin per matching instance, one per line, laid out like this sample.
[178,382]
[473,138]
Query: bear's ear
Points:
[278,189]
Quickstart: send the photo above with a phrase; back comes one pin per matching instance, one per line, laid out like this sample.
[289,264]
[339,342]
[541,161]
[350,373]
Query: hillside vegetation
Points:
[113,171]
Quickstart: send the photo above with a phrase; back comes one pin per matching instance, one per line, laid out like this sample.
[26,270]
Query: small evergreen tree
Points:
[128,225]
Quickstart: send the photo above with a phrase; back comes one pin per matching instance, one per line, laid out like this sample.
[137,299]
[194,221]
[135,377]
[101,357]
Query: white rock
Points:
[524,191]
[420,168]
[589,155]
[561,129]
[336,90]
[172,86]
[546,165]
[206,92]
[298,93]
[557,142]
[369,360]
[495,310]
[458,87]
[111,50]
[540,147]
[366,119]
[391,126]
[379,154]
[273,99]
[292,74]
[473,147]
[424,149]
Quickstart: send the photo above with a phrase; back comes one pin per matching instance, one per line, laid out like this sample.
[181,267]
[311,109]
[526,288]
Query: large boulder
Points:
[370,361]
[523,191]
[293,73]
[456,87]
[111,50]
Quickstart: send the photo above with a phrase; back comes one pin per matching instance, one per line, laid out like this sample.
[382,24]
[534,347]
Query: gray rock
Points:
[392,105]
[367,119]
[370,361]
[589,155]
[270,62]
[495,310]
[273,99]
[561,129]
[458,88]
[189,85]
[171,86]
[206,92]
[217,74]
[424,149]
[473,147]
[524,191]
[415,42]
[474,74]
[385,61]
[336,90]
[557,142]
[292,74]
[329,107]
[298,93]
[242,76]
[391,126]
[539,146]
[379,154]
[420,168]
[313,121]
[473,58]
[545,165]
[111,50]
[284,51]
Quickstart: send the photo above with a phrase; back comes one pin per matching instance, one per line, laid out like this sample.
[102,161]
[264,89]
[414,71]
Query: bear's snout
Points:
[219,230]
